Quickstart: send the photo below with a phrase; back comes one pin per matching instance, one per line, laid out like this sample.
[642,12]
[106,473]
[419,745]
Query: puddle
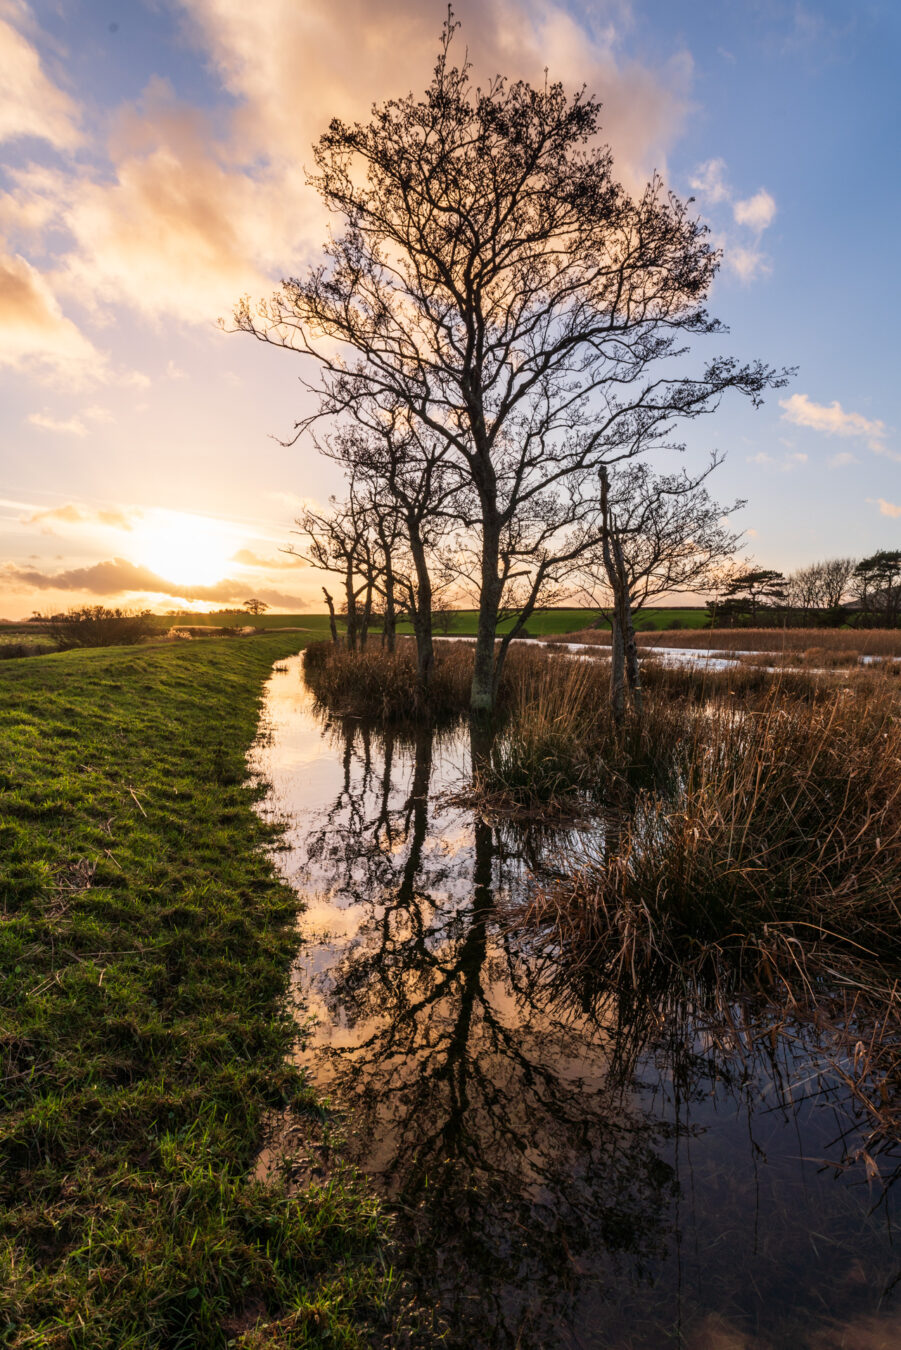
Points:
[570,1172]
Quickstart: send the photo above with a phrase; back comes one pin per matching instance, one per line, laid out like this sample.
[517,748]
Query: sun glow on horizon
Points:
[185,549]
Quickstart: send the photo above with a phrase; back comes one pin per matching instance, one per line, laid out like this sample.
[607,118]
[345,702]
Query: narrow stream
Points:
[568,1171]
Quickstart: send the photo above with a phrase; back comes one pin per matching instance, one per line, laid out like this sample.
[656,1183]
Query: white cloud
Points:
[71,426]
[30,103]
[833,420]
[710,181]
[757,212]
[788,462]
[746,263]
[841,459]
[887,508]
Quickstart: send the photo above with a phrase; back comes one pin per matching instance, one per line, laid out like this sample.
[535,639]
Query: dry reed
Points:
[850,642]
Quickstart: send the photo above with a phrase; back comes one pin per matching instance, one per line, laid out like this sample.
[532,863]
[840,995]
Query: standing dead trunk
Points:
[633,671]
[617,633]
[351,602]
[331,616]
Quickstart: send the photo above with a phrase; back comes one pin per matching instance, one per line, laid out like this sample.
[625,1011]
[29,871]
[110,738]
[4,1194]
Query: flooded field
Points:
[569,1166]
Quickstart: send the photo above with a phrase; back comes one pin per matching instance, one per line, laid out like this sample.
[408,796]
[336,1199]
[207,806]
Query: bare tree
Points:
[815,592]
[402,472]
[662,535]
[335,542]
[836,575]
[497,283]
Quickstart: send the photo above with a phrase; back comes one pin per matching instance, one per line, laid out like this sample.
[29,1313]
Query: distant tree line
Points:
[864,592]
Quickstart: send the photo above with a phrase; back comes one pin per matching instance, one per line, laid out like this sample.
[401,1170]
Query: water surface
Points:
[568,1168]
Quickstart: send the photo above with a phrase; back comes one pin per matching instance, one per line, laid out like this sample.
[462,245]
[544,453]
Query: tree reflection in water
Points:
[570,1168]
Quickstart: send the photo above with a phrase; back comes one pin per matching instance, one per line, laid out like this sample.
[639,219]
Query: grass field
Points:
[144,947]
[462,621]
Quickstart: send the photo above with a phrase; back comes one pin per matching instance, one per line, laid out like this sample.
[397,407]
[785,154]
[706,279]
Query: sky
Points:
[153,160]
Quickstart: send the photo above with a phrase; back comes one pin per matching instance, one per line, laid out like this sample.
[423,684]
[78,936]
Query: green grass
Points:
[315,624]
[463,621]
[145,944]
[559,621]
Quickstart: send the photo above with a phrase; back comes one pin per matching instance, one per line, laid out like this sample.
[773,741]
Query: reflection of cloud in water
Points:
[575,1171]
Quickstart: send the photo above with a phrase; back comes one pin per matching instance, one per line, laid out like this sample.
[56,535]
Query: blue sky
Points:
[151,171]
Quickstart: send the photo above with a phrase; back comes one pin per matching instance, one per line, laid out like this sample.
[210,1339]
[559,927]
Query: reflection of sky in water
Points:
[577,1177]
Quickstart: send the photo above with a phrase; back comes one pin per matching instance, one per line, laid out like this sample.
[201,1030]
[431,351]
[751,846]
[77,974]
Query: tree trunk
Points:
[421,614]
[483,693]
[366,616]
[351,609]
[331,616]
[633,672]
[617,618]
[389,632]
[617,669]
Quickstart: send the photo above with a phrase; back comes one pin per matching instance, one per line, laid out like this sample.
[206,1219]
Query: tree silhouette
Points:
[497,286]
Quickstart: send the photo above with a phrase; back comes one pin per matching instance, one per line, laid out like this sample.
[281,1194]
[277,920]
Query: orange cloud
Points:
[70,514]
[33,328]
[188,222]
[333,60]
[248,558]
[118,576]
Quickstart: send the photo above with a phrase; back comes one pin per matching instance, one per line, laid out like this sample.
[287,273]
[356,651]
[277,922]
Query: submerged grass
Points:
[146,944]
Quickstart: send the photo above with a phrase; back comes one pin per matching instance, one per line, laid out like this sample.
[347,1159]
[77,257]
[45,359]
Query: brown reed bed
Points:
[787,812]
[829,642]
[382,686]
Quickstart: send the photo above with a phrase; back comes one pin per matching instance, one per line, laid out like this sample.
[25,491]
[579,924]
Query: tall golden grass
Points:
[784,813]
[851,642]
[382,685]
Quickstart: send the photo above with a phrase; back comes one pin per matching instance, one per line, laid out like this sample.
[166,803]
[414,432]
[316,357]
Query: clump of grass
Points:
[538,757]
[12,651]
[146,945]
[382,686]
[557,747]
[787,814]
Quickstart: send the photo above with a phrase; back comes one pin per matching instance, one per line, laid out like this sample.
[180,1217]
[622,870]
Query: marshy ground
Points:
[611,1017]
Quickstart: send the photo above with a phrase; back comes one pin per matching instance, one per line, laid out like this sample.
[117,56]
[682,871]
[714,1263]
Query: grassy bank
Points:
[145,947]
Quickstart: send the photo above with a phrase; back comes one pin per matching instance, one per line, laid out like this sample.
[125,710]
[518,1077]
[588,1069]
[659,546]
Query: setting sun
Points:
[190,549]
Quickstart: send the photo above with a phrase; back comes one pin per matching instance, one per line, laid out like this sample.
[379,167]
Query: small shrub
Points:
[97,626]
[11,651]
